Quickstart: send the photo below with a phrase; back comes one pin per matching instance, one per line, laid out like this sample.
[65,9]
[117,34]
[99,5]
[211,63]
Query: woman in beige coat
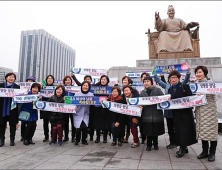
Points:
[206,119]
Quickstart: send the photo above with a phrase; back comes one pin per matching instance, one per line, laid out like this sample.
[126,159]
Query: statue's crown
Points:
[170,6]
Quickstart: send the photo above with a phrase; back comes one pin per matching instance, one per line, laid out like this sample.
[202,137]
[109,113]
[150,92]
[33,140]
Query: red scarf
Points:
[112,99]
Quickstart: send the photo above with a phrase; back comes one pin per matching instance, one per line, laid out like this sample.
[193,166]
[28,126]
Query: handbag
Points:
[24,115]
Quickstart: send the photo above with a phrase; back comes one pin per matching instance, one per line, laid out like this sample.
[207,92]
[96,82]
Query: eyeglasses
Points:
[174,77]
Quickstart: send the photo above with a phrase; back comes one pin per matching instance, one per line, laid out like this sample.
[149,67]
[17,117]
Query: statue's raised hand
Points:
[157,16]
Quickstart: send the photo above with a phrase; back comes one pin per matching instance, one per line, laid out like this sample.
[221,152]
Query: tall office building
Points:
[42,54]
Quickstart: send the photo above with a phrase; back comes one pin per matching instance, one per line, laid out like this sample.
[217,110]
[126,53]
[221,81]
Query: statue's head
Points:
[171,11]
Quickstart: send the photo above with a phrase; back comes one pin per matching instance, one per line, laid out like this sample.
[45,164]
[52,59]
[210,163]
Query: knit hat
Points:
[31,78]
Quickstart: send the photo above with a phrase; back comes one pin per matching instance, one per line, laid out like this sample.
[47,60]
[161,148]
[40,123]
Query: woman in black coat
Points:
[57,119]
[6,114]
[100,118]
[152,118]
[185,131]
[45,114]
[116,119]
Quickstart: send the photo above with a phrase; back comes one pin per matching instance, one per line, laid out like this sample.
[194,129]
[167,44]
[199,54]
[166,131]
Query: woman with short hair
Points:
[206,119]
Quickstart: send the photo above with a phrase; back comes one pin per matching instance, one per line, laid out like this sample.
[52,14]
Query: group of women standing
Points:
[180,122]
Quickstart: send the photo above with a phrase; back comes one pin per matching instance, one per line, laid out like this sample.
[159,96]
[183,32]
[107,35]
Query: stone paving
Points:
[100,156]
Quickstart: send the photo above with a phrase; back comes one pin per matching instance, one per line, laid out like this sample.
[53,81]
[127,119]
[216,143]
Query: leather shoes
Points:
[66,139]
[180,153]
[148,148]
[12,143]
[97,141]
[171,146]
[45,139]
[156,147]
[211,158]
[31,142]
[186,150]
[85,143]
[73,140]
[76,143]
[203,155]
[25,142]
[142,142]
[2,142]
[105,141]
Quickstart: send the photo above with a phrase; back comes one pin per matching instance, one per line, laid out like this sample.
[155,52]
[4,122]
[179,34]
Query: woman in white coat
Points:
[81,117]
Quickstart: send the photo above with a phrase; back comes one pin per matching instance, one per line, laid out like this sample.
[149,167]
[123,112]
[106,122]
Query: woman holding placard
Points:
[6,114]
[206,119]
[183,118]
[100,117]
[152,119]
[67,81]
[45,114]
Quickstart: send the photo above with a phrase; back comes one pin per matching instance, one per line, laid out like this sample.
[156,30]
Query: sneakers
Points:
[60,143]
[52,142]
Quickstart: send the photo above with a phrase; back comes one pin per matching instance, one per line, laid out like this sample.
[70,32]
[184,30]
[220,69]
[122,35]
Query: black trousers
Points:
[29,130]
[98,132]
[171,131]
[46,128]
[141,132]
[12,130]
[213,146]
[83,129]
[66,126]
[22,129]
[152,140]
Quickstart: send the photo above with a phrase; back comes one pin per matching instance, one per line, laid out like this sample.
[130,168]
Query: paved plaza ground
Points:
[100,156]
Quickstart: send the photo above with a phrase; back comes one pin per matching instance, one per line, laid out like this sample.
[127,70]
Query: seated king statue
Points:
[174,33]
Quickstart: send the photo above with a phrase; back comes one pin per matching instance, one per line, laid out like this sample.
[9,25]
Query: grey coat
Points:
[152,119]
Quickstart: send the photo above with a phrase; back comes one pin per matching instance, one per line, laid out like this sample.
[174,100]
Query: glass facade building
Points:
[42,54]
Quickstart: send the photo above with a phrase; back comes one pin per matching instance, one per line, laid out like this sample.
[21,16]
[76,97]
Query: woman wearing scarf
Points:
[81,117]
[168,113]
[6,114]
[133,121]
[116,119]
[206,119]
[67,81]
[57,118]
[100,117]
[152,119]
[185,132]
[45,114]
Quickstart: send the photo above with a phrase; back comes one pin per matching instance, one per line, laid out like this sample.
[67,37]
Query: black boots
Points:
[182,151]
[2,142]
[204,154]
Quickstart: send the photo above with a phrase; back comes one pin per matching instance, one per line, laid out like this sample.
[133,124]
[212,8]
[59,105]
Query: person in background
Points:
[45,114]
[81,117]
[29,79]
[152,118]
[126,80]
[168,113]
[30,125]
[6,114]
[57,118]
[185,132]
[206,119]
[67,81]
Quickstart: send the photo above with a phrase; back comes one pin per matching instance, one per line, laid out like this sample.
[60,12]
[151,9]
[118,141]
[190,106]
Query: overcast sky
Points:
[104,34]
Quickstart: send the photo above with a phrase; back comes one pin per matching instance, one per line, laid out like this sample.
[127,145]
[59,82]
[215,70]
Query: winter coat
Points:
[56,117]
[13,116]
[28,107]
[207,119]
[166,86]
[82,112]
[185,131]
[152,119]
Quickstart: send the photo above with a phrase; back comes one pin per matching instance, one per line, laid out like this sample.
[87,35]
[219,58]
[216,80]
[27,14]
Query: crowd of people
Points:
[182,129]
